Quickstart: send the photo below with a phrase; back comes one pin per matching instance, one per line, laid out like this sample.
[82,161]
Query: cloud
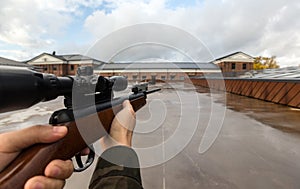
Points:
[16,54]
[38,25]
[256,27]
[30,24]
[269,27]
[148,41]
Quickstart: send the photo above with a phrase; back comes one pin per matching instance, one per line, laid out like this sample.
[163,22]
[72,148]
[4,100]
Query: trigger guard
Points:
[88,162]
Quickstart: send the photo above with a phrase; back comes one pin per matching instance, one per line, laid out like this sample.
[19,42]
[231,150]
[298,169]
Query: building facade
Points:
[231,65]
[151,71]
[61,65]
[235,64]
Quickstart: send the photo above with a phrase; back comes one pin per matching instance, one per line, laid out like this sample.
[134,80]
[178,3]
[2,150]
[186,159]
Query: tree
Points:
[258,65]
[261,63]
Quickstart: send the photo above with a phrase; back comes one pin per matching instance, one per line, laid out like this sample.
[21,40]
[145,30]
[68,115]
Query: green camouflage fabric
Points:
[108,175]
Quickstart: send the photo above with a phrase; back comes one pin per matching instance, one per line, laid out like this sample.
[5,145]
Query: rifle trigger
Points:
[89,161]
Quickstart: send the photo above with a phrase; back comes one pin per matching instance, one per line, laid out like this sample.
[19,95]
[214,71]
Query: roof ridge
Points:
[231,54]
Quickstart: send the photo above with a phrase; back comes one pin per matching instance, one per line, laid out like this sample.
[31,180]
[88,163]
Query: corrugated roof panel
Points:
[293,76]
[9,62]
[76,57]
[281,73]
[162,65]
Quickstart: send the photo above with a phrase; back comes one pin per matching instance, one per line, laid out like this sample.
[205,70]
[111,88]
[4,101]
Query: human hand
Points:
[12,143]
[121,128]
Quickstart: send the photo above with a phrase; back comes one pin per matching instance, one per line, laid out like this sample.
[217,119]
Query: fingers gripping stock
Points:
[33,160]
[66,115]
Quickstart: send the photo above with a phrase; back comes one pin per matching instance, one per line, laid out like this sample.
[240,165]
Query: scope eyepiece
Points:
[22,87]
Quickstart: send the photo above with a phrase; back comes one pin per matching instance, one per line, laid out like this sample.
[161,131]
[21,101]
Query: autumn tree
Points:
[265,63]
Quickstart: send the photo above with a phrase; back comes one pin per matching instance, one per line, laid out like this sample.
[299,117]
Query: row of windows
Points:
[233,66]
[163,77]
[54,68]
[134,77]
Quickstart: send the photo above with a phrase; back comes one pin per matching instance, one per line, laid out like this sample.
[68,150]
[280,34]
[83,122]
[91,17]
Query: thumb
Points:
[126,118]
[18,140]
[127,105]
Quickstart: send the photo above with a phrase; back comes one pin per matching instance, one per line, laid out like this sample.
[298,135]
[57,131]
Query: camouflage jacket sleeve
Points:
[118,167]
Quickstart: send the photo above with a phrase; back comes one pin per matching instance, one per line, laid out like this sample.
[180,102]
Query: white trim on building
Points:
[235,57]
[159,71]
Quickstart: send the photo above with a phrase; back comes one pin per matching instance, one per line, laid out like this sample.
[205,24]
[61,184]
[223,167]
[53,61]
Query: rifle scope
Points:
[22,87]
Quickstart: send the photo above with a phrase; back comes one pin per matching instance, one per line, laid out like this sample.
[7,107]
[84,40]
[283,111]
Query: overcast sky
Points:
[256,27]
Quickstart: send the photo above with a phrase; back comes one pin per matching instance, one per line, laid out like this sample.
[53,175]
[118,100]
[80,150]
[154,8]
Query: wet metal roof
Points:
[281,73]
[157,65]
[9,62]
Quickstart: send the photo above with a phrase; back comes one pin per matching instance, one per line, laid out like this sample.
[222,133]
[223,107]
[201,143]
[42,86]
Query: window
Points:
[181,78]
[173,77]
[134,77]
[163,77]
[233,66]
[244,66]
[54,68]
[153,79]
[144,77]
[45,68]
[72,67]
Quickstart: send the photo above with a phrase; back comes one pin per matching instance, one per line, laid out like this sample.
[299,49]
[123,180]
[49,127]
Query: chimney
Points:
[53,53]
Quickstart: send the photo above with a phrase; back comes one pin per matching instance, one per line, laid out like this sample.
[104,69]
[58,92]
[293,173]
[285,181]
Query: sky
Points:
[256,27]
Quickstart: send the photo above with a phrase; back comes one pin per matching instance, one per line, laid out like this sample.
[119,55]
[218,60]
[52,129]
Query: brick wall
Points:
[285,92]
[168,76]
[59,69]
[235,68]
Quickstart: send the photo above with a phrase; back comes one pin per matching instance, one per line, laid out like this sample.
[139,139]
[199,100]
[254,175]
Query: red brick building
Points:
[61,65]
[235,64]
[150,71]
[231,65]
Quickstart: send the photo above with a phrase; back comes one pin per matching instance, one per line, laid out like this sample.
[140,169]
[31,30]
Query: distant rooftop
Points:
[280,73]
[157,65]
[73,57]
[9,62]
[232,54]
[66,58]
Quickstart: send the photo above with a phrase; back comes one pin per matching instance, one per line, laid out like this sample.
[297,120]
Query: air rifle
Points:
[90,107]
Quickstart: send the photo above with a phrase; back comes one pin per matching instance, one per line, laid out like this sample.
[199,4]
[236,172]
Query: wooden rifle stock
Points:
[33,160]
